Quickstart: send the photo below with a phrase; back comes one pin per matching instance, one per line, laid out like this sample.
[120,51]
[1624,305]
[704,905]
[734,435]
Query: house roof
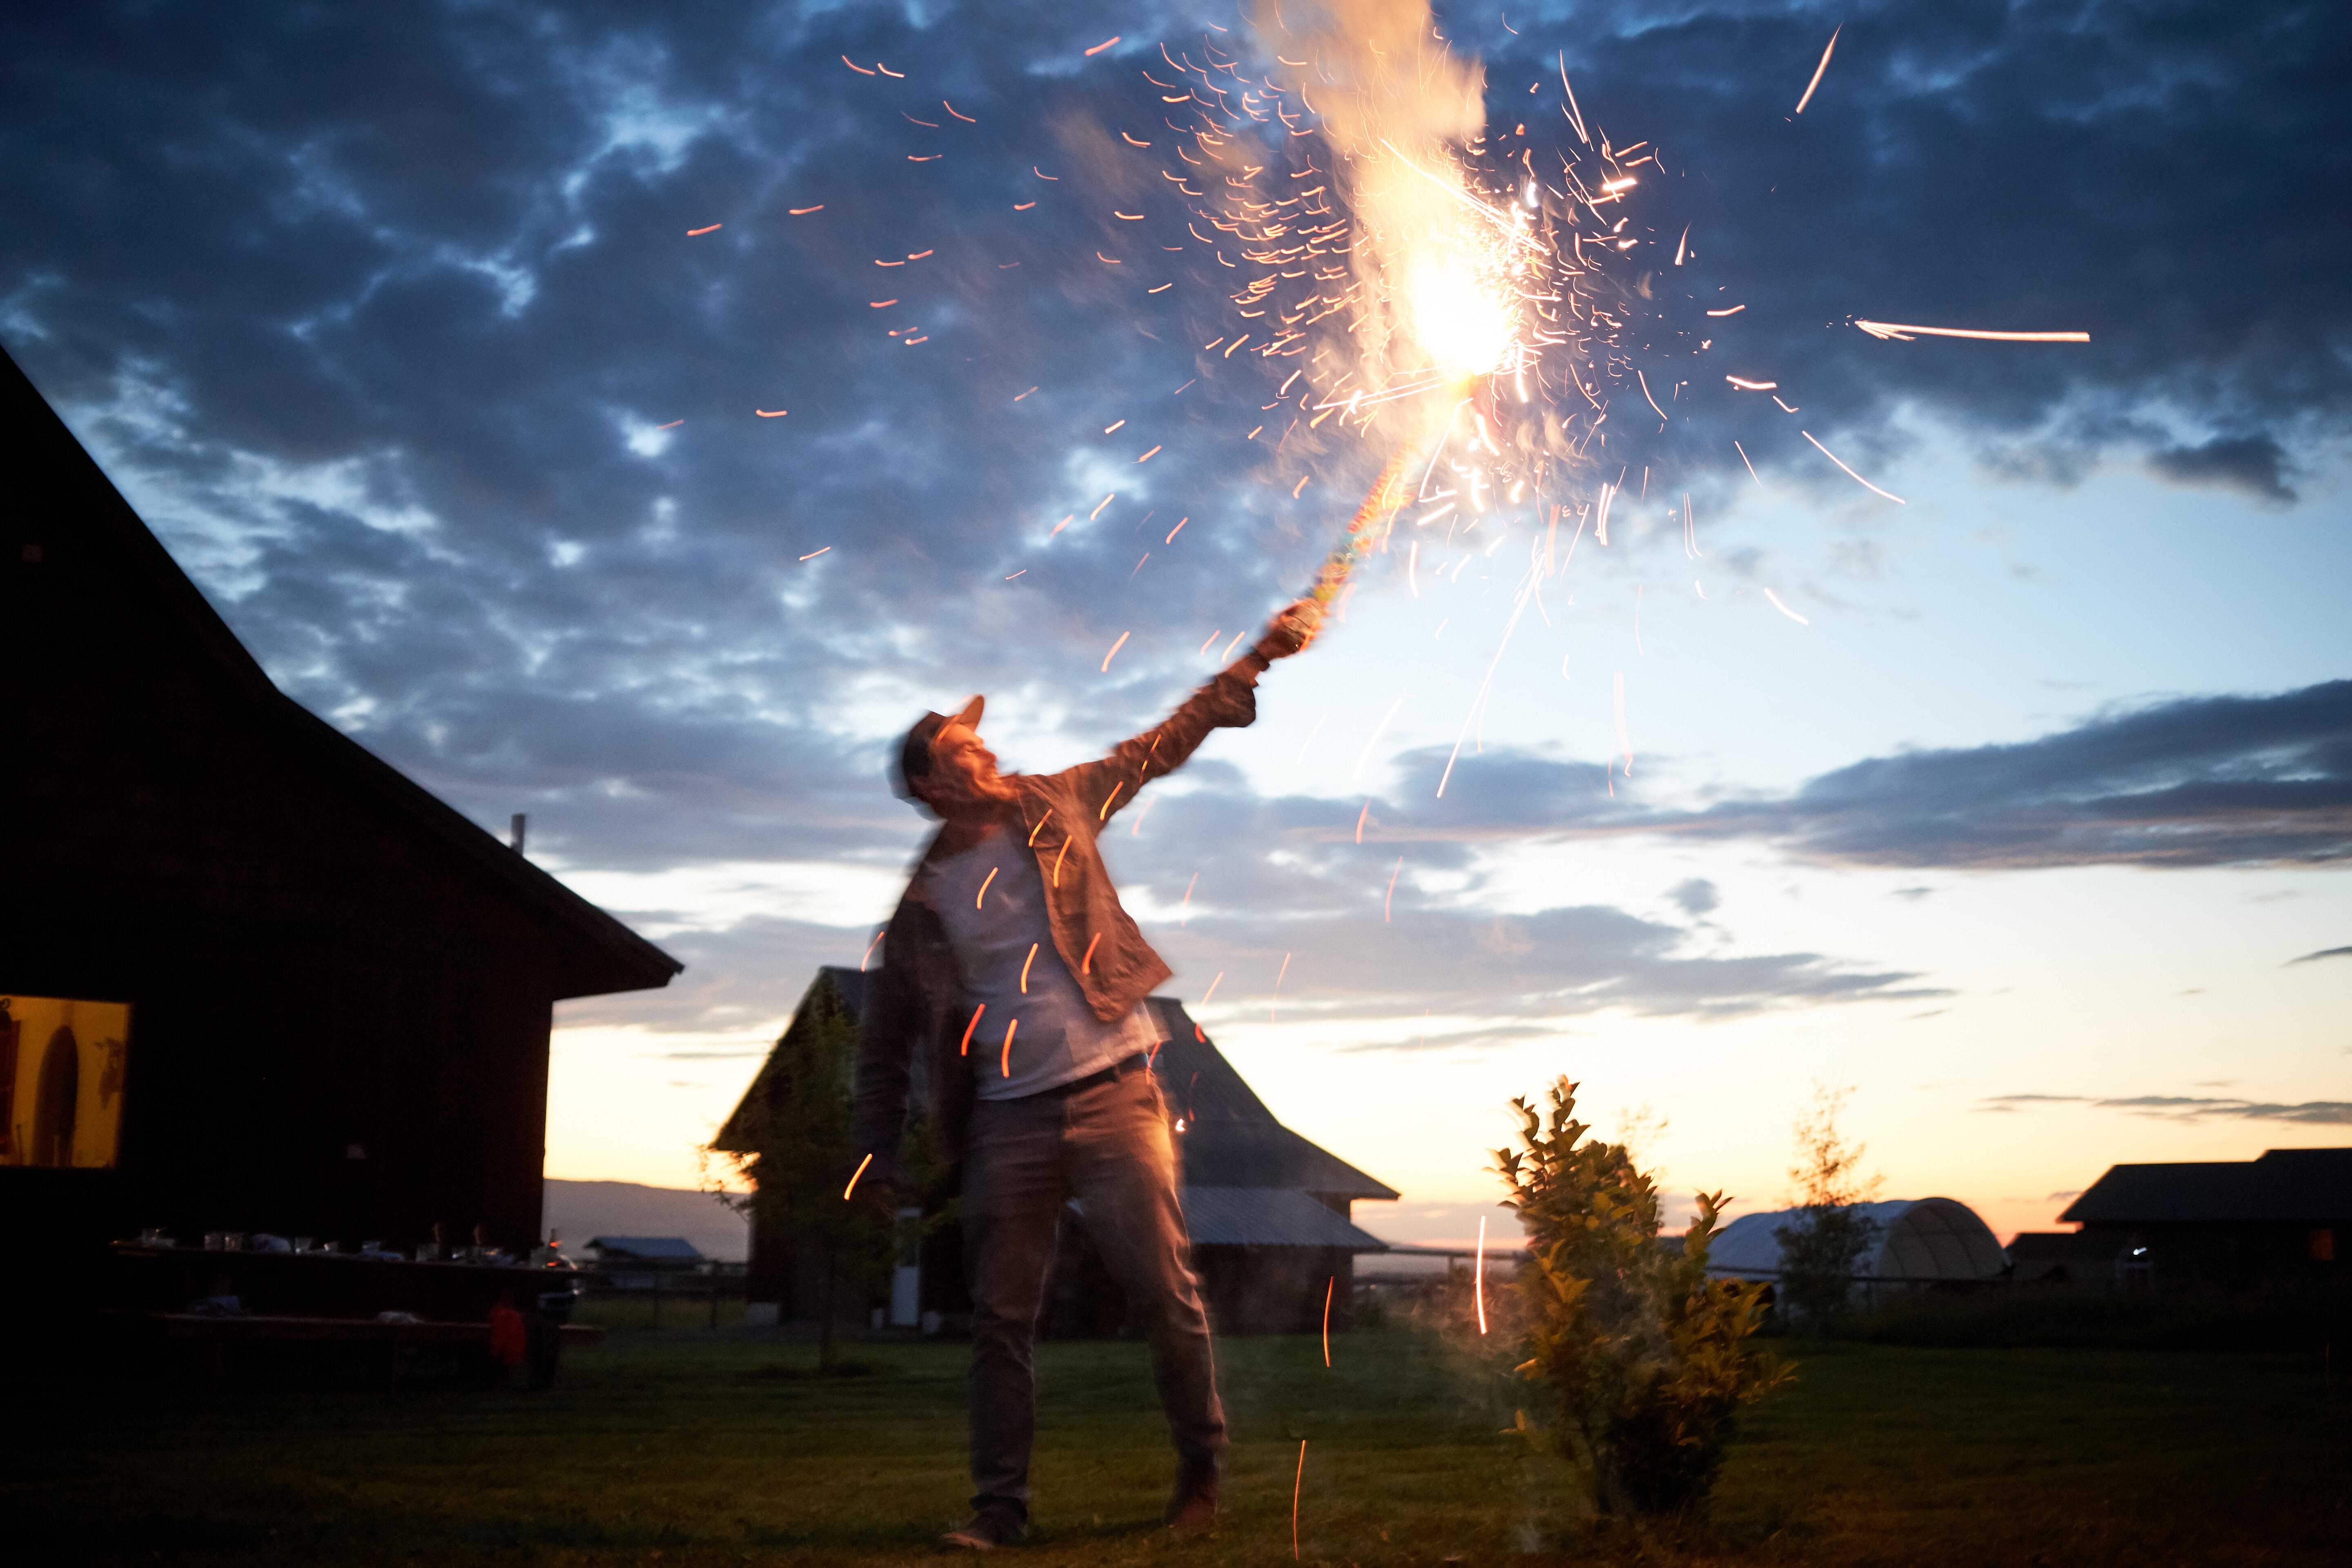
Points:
[1230,1138]
[1262,1216]
[2041,1247]
[2286,1186]
[595,953]
[647,1248]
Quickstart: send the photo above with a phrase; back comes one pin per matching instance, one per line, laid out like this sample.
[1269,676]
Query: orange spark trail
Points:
[869,1159]
[1086,964]
[1184,911]
[1391,893]
[814,553]
[1104,45]
[1005,1066]
[985,881]
[1751,468]
[1114,650]
[965,1049]
[1361,818]
[774,414]
[1329,1286]
[1819,68]
[1478,1278]
[1884,330]
[1784,609]
[714,228]
[1297,1483]
[1025,968]
[1857,478]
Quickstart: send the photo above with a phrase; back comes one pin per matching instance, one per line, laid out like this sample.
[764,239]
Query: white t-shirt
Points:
[991,898]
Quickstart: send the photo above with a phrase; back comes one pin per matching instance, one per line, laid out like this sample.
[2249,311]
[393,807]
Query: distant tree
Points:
[1646,1359]
[801,1161]
[1820,1252]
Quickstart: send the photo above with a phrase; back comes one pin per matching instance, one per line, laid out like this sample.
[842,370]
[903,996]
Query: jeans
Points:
[1107,1145]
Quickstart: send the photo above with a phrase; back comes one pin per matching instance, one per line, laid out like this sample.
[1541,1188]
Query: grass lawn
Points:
[687,1446]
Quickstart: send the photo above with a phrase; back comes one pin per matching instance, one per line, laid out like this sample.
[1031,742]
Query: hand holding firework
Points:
[1290,632]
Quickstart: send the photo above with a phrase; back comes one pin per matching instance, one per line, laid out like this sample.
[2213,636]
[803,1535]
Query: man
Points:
[1011,984]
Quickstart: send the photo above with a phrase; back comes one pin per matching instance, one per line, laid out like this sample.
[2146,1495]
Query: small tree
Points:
[1646,1357]
[1820,1252]
[800,1158]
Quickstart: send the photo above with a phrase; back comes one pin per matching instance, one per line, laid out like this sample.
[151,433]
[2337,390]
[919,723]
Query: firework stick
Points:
[1370,525]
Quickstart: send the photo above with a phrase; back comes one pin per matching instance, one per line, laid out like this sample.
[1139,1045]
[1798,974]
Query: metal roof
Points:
[2286,1186]
[1264,1216]
[1919,1238]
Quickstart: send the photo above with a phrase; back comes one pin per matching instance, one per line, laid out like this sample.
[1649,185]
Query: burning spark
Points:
[803,211]
[1751,385]
[1172,539]
[965,1049]
[714,228]
[1784,609]
[1884,330]
[814,553]
[1025,968]
[1298,1482]
[1478,1276]
[1857,478]
[1733,312]
[1086,964]
[1623,744]
[1184,911]
[869,1159]
[1330,1285]
[1212,991]
[671,426]
[771,414]
[1100,504]
[985,881]
[1114,650]
[1819,68]
[1390,899]
[1104,45]
[1004,1063]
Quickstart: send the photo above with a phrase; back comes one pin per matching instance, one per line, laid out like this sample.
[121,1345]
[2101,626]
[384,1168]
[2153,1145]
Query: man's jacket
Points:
[912,1025]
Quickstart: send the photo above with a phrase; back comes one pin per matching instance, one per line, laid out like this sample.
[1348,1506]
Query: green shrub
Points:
[1645,1358]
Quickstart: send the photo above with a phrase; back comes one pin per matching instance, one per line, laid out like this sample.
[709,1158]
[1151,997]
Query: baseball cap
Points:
[913,759]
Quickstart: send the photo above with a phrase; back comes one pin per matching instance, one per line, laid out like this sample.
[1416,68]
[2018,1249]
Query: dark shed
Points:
[2235,1222]
[324,995]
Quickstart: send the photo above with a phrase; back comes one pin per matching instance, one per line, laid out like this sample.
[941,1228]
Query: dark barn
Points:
[256,979]
[2279,1219]
[1269,1211]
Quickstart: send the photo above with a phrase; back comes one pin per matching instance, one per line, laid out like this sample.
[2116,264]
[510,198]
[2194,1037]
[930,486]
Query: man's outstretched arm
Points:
[1227,701]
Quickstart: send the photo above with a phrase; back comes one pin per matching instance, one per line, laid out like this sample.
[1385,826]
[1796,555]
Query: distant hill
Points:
[581,1209]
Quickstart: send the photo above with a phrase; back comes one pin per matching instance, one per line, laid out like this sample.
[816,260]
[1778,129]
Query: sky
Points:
[635,416]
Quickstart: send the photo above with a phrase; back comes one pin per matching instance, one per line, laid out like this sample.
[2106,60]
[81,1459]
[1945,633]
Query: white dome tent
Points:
[1921,1242]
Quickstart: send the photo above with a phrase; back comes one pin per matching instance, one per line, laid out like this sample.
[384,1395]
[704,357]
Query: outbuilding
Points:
[254,979]
[2283,1217]
[1921,1243]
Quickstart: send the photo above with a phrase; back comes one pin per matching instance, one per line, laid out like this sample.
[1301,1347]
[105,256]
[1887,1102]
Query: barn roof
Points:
[1230,1140]
[2286,1186]
[1257,1216]
[87,516]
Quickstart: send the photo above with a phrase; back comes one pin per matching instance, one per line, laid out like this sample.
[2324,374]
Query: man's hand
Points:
[878,1188]
[1291,631]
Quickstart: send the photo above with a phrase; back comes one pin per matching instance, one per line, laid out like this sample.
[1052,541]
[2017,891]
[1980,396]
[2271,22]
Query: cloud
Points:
[1695,898]
[2186,1108]
[2323,953]
[2252,465]
[2062,1197]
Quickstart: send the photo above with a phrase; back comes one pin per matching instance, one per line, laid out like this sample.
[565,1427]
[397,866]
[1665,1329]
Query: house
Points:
[1921,1243]
[254,979]
[1270,1213]
[2283,1217]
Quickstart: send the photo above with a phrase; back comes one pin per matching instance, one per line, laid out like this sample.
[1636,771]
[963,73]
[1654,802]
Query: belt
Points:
[1110,1074]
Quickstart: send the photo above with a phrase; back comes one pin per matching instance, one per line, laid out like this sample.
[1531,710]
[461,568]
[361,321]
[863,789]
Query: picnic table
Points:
[184,1295]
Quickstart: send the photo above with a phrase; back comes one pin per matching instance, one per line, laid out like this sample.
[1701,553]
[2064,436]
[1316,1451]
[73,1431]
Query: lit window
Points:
[61,1065]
